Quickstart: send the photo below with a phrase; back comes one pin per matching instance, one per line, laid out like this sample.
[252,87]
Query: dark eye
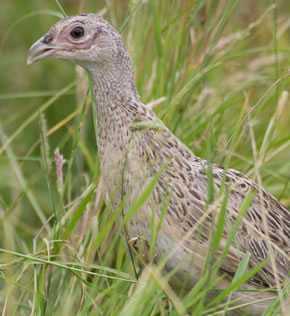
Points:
[77,32]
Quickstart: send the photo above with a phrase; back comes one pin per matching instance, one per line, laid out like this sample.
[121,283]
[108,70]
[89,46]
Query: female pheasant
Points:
[135,147]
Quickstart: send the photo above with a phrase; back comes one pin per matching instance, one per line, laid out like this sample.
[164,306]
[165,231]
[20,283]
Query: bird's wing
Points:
[186,181]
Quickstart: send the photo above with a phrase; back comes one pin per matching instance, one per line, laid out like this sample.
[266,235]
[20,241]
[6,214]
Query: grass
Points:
[222,68]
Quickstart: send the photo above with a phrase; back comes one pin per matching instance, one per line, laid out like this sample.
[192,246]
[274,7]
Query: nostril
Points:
[47,38]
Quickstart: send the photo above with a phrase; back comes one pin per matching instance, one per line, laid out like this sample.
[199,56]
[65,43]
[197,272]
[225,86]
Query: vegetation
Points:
[215,72]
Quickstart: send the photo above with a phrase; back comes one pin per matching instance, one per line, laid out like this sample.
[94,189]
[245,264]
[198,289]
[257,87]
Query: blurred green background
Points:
[209,59]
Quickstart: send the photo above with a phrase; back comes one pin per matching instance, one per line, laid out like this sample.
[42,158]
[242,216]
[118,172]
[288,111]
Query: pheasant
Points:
[135,148]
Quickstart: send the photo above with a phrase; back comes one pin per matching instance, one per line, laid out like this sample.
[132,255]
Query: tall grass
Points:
[221,69]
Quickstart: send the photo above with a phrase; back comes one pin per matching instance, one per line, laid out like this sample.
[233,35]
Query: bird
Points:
[137,152]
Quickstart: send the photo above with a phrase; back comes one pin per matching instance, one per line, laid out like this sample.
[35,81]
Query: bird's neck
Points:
[117,106]
[115,78]
[116,95]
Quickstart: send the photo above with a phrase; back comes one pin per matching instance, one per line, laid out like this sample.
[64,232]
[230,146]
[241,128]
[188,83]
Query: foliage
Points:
[215,72]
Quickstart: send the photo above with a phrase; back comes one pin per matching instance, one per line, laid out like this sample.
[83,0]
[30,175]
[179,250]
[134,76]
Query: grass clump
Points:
[218,73]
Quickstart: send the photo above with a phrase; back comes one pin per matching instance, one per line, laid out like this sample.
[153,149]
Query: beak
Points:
[41,49]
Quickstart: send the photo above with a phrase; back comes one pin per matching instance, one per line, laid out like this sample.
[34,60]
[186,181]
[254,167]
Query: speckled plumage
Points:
[134,145]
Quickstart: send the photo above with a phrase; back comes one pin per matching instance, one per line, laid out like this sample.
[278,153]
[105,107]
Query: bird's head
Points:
[91,42]
[84,39]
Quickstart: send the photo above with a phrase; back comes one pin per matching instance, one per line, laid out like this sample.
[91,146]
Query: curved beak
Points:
[41,49]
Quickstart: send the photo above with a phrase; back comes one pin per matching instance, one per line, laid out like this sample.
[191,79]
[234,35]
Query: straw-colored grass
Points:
[216,72]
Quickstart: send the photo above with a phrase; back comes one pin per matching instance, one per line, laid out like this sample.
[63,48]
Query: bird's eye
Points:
[77,32]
